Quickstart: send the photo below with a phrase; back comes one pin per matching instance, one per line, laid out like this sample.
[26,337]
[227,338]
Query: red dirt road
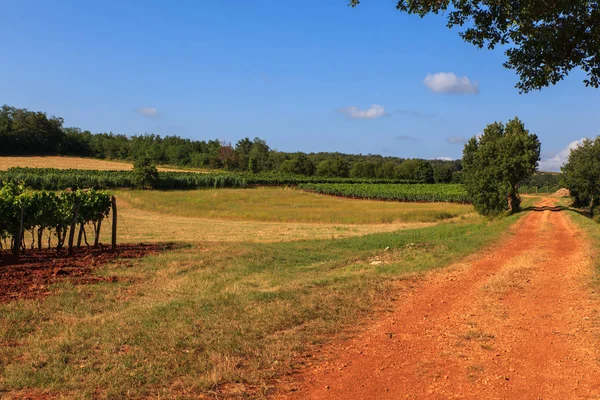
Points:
[520,321]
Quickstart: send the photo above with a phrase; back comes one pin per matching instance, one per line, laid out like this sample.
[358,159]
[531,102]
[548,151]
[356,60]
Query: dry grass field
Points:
[289,206]
[63,162]
[141,225]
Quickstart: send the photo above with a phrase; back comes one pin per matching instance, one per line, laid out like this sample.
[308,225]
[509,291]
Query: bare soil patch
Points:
[520,320]
[36,270]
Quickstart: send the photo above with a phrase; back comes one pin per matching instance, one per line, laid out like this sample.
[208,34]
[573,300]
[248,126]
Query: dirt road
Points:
[520,321]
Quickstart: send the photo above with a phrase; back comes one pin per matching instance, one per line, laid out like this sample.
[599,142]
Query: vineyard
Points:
[453,193]
[59,179]
[37,218]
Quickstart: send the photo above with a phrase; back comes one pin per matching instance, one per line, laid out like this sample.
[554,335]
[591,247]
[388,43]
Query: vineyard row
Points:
[454,193]
[49,216]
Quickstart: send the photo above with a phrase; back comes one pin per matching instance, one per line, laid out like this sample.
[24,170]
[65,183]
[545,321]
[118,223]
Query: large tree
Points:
[545,39]
[581,173]
[495,163]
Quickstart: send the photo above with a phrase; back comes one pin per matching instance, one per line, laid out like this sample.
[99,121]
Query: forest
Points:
[24,132]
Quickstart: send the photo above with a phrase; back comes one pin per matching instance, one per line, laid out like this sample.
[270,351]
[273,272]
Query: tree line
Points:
[24,132]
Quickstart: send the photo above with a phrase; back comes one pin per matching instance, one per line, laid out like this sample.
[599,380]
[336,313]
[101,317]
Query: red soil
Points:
[520,321]
[31,276]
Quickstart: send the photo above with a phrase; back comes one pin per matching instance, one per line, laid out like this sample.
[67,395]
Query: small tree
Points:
[496,163]
[145,172]
[581,173]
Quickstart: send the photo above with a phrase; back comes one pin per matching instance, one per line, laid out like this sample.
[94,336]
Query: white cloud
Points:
[373,112]
[447,82]
[147,111]
[555,161]
[456,139]
[445,158]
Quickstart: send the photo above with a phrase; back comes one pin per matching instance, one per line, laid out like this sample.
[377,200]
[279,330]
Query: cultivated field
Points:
[64,162]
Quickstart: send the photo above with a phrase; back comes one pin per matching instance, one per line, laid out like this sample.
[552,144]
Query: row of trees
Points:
[24,132]
[25,213]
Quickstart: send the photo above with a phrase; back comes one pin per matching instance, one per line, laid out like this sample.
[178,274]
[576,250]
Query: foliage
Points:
[28,132]
[581,173]
[58,179]
[24,132]
[416,192]
[145,172]
[47,212]
[544,40]
[495,164]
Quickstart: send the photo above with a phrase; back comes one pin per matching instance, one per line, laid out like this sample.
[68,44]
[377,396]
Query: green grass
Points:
[192,320]
[591,229]
[288,205]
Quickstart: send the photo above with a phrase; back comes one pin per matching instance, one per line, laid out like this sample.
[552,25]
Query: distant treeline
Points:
[543,179]
[24,132]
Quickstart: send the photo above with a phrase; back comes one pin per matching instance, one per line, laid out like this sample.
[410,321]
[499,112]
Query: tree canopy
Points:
[24,132]
[545,39]
[495,163]
[581,173]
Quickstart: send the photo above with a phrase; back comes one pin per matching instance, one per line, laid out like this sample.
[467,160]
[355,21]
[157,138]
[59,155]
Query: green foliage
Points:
[27,132]
[416,192]
[57,179]
[496,163]
[581,173]
[145,172]
[47,136]
[47,211]
[544,40]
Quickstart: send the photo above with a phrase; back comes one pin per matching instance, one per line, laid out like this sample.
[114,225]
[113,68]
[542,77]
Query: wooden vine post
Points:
[73,227]
[114,223]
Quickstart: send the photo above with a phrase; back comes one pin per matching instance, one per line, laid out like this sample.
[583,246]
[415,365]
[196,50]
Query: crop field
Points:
[64,162]
[415,192]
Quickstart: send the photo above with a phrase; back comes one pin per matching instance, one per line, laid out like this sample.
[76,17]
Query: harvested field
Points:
[63,162]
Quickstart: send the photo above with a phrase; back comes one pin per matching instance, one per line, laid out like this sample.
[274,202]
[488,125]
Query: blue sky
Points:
[304,75]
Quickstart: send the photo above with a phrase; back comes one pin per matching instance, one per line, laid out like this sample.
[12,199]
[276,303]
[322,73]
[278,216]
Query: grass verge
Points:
[195,320]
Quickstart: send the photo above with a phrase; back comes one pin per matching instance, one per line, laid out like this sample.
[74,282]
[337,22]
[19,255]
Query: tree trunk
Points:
[85,238]
[79,237]
[40,232]
[98,227]
[73,227]
[17,239]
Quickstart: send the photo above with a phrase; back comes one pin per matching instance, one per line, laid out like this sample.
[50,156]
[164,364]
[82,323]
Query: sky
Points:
[303,75]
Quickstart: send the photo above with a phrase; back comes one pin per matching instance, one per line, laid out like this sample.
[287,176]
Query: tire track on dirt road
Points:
[519,322]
